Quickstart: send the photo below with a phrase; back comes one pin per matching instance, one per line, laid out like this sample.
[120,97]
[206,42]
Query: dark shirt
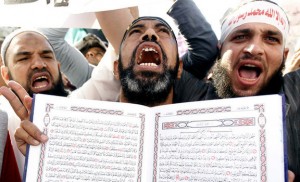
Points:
[291,88]
[202,41]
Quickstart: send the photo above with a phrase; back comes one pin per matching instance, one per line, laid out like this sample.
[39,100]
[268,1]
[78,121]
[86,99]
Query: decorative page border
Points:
[47,120]
[229,122]
[157,116]
[140,164]
[262,120]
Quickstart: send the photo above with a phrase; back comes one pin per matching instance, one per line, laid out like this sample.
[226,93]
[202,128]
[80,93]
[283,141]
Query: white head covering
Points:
[256,12]
[12,35]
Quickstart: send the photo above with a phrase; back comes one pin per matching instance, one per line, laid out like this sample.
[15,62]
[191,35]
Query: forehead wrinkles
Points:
[26,44]
[265,29]
[160,22]
[149,24]
[30,40]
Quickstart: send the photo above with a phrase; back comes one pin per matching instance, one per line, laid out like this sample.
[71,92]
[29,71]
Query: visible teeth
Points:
[250,65]
[147,49]
[41,77]
[148,64]
[41,86]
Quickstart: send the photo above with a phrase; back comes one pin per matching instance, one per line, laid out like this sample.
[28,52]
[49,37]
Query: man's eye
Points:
[272,39]
[165,30]
[239,37]
[134,31]
[23,59]
[48,57]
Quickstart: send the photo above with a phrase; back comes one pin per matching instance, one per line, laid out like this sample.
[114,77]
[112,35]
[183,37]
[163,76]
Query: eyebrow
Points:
[136,26]
[143,25]
[30,53]
[21,53]
[272,32]
[162,25]
[244,31]
[267,32]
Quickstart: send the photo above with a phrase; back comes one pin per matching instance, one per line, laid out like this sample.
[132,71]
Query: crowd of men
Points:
[248,60]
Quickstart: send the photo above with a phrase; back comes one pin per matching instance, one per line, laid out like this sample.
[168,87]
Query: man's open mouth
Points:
[149,56]
[40,82]
[249,71]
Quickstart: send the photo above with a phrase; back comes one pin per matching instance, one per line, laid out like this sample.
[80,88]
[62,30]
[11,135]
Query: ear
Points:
[4,73]
[180,69]
[58,65]
[116,70]
[219,45]
[285,53]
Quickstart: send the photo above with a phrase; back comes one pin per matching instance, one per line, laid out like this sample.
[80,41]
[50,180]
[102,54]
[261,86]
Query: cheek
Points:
[227,61]
[274,65]
[229,56]
[274,60]
[128,48]
[54,70]
[19,71]
[171,50]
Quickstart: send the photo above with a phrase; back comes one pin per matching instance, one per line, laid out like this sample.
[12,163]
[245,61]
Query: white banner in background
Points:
[79,13]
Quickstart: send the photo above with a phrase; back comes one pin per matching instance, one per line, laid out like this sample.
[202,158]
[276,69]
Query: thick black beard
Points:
[58,88]
[222,82]
[151,91]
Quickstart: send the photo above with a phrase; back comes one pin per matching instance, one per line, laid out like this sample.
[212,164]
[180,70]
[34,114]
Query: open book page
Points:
[220,140]
[88,140]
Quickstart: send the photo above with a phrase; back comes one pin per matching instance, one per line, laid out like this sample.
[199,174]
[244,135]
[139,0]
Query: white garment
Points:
[102,85]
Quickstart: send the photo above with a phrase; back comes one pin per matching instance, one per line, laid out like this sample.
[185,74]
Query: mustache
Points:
[250,56]
[38,71]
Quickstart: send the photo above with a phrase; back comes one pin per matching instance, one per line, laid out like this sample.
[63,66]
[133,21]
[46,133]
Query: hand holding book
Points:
[21,102]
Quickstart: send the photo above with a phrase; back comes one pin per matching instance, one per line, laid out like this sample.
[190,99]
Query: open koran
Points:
[240,139]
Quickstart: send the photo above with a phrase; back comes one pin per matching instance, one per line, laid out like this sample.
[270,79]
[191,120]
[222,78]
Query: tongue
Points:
[249,74]
[40,83]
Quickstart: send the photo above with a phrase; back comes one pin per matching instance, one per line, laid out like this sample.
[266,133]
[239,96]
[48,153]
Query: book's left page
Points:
[88,140]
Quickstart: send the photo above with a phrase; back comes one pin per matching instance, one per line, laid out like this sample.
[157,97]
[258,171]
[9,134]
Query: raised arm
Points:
[200,37]
[103,85]
[72,61]
[115,22]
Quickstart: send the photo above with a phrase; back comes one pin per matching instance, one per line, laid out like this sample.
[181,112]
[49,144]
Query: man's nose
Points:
[150,35]
[255,47]
[38,62]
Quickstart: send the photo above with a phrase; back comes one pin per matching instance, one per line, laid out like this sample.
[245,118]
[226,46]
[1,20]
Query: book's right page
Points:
[239,139]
